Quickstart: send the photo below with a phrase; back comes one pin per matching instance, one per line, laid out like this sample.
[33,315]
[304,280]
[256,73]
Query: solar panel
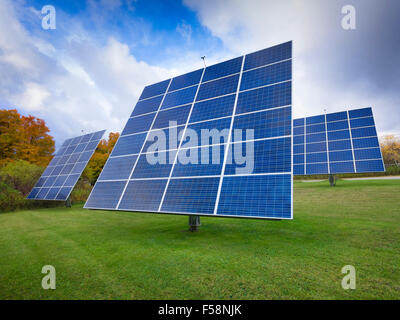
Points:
[216,141]
[64,170]
[340,142]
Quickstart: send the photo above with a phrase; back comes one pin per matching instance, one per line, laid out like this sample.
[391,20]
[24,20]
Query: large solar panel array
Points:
[64,170]
[248,92]
[340,142]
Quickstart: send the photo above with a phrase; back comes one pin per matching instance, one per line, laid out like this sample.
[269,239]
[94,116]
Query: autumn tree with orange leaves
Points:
[390,146]
[24,138]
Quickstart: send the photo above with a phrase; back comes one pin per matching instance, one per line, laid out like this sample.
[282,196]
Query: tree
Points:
[24,138]
[390,146]
[99,158]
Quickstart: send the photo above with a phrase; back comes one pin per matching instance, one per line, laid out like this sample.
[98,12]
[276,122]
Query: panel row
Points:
[260,156]
[241,196]
[339,167]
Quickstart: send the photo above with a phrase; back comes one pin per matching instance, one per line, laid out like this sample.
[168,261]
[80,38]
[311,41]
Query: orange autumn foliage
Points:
[390,146]
[24,138]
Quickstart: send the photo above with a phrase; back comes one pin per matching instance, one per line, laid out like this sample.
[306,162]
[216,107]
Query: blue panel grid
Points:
[243,104]
[265,98]
[268,56]
[180,97]
[341,150]
[191,195]
[146,106]
[62,173]
[143,195]
[214,108]
[253,195]
[154,89]
[218,87]
[185,80]
[223,69]
[267,75]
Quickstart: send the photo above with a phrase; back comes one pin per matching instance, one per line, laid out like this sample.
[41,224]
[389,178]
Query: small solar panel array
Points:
[64,170]
[248,92]
[340,142]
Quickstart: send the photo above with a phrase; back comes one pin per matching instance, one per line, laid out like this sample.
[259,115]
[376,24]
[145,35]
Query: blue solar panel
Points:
[138,124]
[214,108]
[64,170]
[118,168]
[205,131]
[370,166]
[177,116]
[336,149]
[180,97]
[154,89]
[269,156]
[106,195]
[218,87]
[181,162]
[203,161]
[265,98]
[129,144]
[147,106]
[191,195]
[154,165]
[240,196]
[63,193]
[315,128]
[266,75]
[265,124]
[186,80]
[223,69]
[143,195]
[358,113]
[338,135]
[163,139]
[341,167]
[268,56]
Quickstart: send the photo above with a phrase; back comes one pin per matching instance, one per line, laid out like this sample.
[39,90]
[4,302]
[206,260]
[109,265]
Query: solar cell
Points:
[64,170]
[340,142]
[177,159]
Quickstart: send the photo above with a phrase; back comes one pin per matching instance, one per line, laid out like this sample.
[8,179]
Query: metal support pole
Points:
[332,180]
[194,223]
[68,203]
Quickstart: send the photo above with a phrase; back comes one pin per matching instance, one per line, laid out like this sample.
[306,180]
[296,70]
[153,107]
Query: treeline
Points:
[26,148]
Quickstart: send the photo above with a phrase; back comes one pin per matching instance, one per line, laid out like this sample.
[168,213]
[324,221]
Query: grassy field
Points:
[122,255]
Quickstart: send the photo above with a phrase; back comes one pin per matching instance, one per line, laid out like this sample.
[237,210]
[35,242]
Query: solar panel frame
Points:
[278,100]
[61,170]
[346,131]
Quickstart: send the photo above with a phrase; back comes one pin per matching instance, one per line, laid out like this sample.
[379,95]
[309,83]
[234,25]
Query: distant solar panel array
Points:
[64,170]
[248,92]
[340,142]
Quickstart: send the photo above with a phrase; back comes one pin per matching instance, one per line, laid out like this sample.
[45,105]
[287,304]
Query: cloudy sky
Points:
[88,73]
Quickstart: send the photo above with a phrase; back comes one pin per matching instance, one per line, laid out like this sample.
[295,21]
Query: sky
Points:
[87,73]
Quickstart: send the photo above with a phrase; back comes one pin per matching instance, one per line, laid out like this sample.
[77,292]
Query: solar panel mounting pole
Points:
[68,202]
[204,60]
[194,223]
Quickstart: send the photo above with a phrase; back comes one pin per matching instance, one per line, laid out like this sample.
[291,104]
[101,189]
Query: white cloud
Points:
[33,98]
[80,86]
[332,68]
[185,30]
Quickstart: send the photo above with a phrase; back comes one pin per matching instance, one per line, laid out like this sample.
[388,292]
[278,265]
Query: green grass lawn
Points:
[124,255]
